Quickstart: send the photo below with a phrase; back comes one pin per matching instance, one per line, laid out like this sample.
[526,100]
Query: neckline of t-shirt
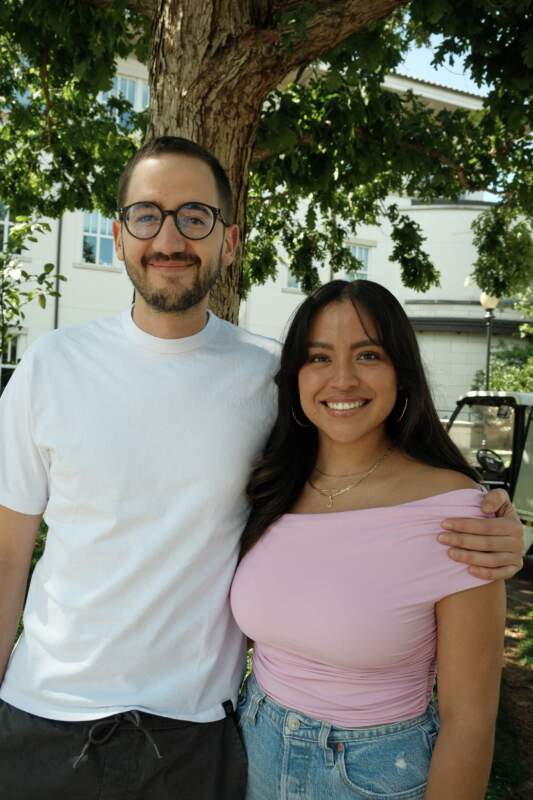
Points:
[292,515]
[169,346]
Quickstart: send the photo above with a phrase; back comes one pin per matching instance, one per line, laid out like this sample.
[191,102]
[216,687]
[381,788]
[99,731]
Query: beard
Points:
[175,298]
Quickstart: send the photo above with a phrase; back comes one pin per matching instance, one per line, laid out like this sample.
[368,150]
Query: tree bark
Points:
[212,65]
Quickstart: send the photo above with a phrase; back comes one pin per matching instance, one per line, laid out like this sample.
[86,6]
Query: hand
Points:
[493,547]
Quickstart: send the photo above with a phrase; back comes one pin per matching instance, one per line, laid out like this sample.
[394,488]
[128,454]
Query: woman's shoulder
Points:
[436,480]
[424,480]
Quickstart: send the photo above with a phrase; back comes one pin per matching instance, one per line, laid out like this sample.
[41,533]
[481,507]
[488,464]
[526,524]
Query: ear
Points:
[230,244]
[117,236]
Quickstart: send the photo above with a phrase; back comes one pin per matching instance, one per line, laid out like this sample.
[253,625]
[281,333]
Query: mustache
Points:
[175,257]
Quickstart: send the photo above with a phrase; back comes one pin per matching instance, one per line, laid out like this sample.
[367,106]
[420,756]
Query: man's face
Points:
[172,273]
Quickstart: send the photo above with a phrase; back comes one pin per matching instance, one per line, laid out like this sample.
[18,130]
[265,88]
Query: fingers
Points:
[490,560]
[499,526]
[497,574]
[507,533]
[498,502]
[478,542]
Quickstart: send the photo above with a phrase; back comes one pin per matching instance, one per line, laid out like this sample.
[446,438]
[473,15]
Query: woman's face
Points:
[348,384]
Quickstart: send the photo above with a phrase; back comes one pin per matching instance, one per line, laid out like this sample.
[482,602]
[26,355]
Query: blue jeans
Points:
[294,757]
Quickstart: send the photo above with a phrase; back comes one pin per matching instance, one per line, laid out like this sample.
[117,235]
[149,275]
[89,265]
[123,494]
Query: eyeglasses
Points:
[193,220]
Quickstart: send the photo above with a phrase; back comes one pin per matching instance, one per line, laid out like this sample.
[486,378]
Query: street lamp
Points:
[489,303]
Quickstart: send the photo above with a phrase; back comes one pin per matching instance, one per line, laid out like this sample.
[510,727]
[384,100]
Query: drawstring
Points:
[135,718]
[112,723]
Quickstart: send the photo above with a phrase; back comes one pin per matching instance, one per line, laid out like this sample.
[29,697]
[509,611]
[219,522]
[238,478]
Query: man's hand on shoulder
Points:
[493,547]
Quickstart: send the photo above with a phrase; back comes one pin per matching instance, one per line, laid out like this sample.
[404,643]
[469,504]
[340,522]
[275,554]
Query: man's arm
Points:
[17,539]
[493,547]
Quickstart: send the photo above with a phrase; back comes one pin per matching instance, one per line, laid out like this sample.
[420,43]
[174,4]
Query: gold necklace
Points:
[332,493]
[347,475]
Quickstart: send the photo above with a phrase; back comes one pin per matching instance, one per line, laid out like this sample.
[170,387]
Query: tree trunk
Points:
[212,65]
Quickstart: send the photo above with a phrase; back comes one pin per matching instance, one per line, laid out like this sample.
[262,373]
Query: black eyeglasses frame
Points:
[217,214]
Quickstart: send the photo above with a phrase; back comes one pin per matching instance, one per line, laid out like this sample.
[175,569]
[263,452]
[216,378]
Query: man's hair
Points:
[176,145]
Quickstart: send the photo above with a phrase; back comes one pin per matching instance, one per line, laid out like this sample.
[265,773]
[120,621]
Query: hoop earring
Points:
[404,409]
[295,418]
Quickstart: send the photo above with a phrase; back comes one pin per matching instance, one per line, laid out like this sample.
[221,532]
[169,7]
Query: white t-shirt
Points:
[138,449]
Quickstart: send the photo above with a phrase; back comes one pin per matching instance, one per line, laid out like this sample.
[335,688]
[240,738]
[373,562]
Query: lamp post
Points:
[489,303]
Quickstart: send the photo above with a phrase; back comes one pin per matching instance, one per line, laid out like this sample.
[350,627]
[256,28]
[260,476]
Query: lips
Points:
[170,265]
[345,405]
[174,262]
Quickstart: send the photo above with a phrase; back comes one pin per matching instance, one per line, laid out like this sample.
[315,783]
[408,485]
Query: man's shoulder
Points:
[71,339]
[74,334]
[252,343]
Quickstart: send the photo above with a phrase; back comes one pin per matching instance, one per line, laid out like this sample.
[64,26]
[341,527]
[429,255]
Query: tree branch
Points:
[264,154]
[43,72]
[432,152]
[332,23]
[146,8]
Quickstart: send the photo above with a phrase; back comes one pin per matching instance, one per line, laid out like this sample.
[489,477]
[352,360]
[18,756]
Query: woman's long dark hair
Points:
[291,450]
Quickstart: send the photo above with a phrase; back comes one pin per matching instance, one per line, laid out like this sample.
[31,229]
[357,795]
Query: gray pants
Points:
[130,756]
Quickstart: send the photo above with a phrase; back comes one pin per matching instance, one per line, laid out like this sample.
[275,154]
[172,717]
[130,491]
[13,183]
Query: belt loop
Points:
[227,705]
[256,699]
[329,758]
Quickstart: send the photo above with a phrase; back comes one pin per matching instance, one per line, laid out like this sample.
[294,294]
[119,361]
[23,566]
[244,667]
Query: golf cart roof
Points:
[510,398]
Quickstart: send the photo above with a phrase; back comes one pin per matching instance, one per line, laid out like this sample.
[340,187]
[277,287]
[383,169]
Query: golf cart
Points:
[494,431]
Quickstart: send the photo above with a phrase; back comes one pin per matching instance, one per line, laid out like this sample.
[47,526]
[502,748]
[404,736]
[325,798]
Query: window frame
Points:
[355,244]
[6,223]
[8,367]
[99,236]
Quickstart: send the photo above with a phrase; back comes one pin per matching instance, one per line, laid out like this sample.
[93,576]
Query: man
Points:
[136,435]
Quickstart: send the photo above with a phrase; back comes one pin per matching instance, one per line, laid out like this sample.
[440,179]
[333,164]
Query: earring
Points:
[301,424]
[404,409]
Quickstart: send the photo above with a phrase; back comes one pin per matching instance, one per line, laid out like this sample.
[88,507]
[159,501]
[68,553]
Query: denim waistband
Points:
[293,723]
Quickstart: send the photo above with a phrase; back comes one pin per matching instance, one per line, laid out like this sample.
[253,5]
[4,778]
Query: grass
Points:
[525,646]
[509,772]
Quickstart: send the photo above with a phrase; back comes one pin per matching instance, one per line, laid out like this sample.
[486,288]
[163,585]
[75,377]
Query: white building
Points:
[449,320]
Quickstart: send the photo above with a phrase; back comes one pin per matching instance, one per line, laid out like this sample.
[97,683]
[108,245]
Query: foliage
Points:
[39,545]
[38,550]
[333,145]
[18,287]
[524,304]
[511,369]
[61,146]
[505,252]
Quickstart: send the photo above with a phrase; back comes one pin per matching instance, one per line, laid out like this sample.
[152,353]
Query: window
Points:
[361,252]
[145,95]
[134,90]
[7,220]
[292,281]
[8,362]
[97,245]
[5,225]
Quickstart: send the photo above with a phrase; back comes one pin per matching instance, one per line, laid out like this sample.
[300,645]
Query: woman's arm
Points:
[469,659]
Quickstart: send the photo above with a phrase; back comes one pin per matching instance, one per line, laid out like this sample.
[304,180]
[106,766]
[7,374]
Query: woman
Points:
[343,585]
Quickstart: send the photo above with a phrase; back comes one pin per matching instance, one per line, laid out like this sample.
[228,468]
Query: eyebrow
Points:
[353,346]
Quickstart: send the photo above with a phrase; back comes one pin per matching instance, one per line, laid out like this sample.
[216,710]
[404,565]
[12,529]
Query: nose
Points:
[169,239]
[344,374]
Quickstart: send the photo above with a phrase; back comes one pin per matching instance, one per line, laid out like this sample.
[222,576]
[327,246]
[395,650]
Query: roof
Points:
[436,84]
[515,398]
